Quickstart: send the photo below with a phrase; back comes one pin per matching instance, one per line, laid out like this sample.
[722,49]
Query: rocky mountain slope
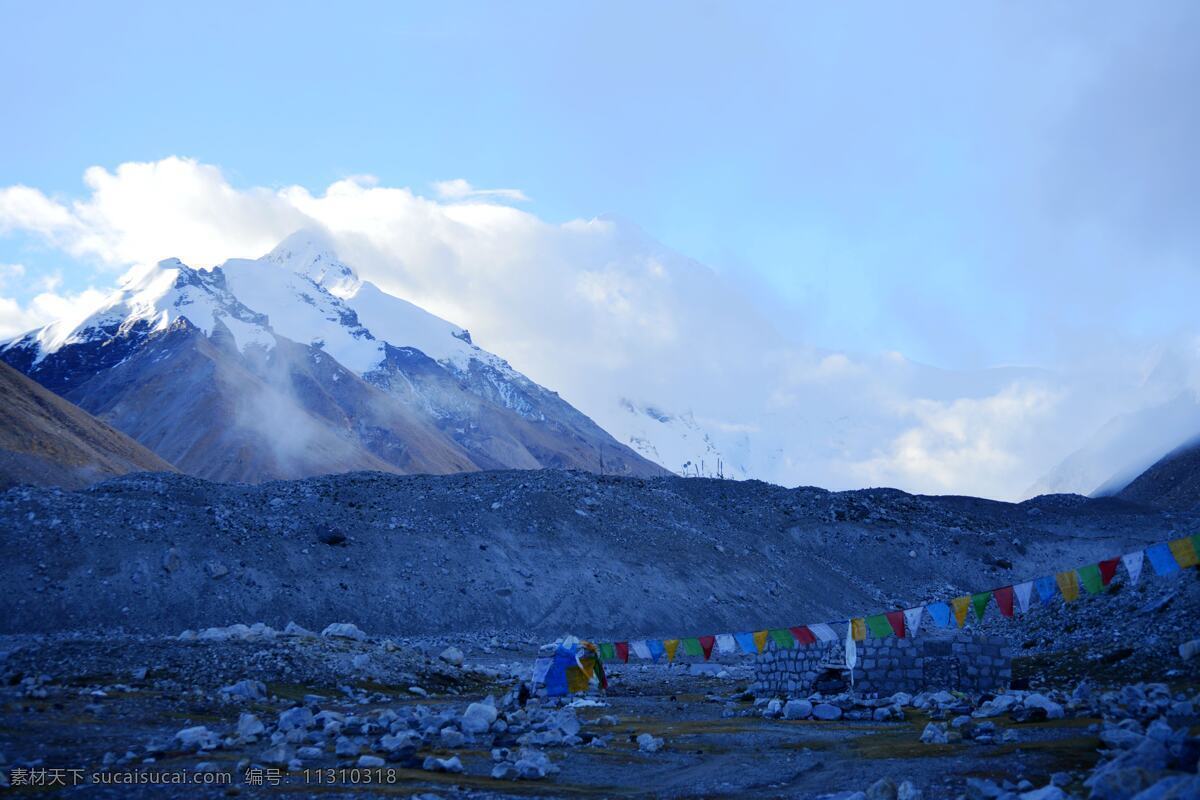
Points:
[1171,483]
[541,552]
[290,366]
[46,441]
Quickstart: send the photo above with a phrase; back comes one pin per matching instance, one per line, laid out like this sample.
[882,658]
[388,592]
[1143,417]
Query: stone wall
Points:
[934,660]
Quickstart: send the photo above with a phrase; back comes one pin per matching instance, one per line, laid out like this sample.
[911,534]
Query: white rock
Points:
[774,709]
[452,656]
[649,744]
[249,727]
[246,689]
[370,762]
[934,734]
[293,629]
[478,717]
[907,791]
[1045,793]
[343,630]
[295,718]
[452,764]
[1053,709]
[797,709]
[197,738]
[1188,650]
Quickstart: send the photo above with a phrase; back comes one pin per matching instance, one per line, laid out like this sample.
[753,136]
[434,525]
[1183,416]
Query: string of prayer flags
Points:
[879,626]
[671,645]
[912,619]
[1162,559]
[1004,600]
[1068,584]
[980,602]
[1184,552]
[960,609]
[1091,579]
[1046,587]
[1133,565]
[782,638]
[858,629]
[760,640]
[1023,591]
[939,613]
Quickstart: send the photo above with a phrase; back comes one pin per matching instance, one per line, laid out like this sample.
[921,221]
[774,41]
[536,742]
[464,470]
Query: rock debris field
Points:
[368,635]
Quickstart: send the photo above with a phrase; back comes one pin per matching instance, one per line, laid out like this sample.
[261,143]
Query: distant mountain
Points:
[289,366]
[46,441]
[1173,482]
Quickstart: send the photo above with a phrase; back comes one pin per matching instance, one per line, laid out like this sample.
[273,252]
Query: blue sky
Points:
[967,185]
[838,164]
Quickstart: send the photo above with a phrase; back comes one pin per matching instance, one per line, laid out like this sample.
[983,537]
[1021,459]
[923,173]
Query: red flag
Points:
[896,620]
[1004,600]
[622,651]
[803,635]
[706,644]
[1108,568]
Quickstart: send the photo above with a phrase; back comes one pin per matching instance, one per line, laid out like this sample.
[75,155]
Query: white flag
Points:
[1133,565]
[1023,591]
[823,632]
[912,619]
[540,667]
[726,643]
[640,649]
[851,651]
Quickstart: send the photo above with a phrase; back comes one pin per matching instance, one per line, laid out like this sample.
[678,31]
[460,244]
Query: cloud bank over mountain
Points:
[661,351]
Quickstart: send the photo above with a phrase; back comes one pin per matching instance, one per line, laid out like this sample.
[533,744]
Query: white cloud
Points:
[598,311]
[460,189]
[43,308]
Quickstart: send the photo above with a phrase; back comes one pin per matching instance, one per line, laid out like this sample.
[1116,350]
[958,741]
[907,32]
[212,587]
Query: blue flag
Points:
[746,642]
[655,646]
[940,614]
[1162,559]
[1046,588]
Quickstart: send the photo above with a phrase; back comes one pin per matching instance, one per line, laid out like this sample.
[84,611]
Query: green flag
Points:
[1089,576]
[783,638]
[879,626]
[980,602]
[608,652]
[692,647]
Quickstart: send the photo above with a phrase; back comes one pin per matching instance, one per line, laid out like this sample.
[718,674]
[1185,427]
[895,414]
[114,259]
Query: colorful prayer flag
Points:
[912,619]
[726,643]
[640,649]
[858,629]
[1133,565]
[1091,579]
[1023,591]
[1162,559]
[1184,552]
[803,635]
[671,645]
[691,646]
[1108,569]
[622,649]
[1046,588]
[1068,584]
[783,638]
[760,640]
[980,602]
[745,641]
[706,644]
[960,609]
[823,632]
[896,621]
[655,646]
[879,626]
[939,613]
[608,652]
[1004,600]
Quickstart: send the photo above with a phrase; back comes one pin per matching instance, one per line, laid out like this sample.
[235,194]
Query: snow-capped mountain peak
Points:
[310,252]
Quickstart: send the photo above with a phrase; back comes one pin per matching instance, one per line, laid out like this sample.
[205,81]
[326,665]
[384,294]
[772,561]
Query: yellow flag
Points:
[1184,552]
[672,645]
[858,629]
[760,640]
[961,604]
[1068,584]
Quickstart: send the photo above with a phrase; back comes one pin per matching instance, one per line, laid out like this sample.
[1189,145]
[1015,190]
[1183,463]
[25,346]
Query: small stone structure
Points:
[932,660]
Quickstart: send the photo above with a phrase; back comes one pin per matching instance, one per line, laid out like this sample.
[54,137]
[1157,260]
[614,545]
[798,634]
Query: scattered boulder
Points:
[434,764]
[826,711]
[797,709]
[648,743]
[934,733]
[452,656]
[478,717]
[197,738]
[343,630]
